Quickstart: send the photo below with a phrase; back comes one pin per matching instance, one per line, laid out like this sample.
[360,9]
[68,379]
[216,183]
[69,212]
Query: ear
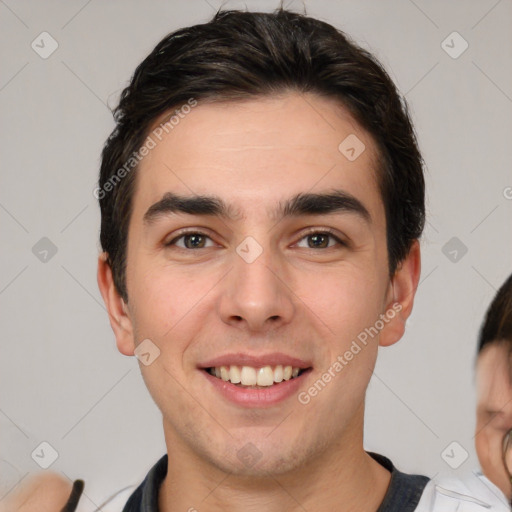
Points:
[118,313]
[400,296]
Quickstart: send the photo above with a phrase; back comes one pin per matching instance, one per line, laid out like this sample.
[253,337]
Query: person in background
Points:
[494,391]
[42,492]
[488,489]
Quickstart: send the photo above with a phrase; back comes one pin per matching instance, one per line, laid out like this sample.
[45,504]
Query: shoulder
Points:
[41,492]
[49,492]
[404,491]
[147,491]
[471,493]
[117,501]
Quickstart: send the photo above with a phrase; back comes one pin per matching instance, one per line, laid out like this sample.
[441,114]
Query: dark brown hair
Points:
[497,325]
[242,55]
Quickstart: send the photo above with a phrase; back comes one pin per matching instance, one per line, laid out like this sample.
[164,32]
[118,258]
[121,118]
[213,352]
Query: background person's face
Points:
[494,413]
[297,299]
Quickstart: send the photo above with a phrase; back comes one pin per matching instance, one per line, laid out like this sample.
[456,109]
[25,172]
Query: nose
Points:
[256,295]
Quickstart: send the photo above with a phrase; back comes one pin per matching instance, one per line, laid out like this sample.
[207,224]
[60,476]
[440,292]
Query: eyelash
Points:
[315,231]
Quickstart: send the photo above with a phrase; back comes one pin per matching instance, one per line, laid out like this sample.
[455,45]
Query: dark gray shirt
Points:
[403,494]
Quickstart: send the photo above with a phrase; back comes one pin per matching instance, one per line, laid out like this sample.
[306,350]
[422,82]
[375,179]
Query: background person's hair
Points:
[243,55]
[497,325]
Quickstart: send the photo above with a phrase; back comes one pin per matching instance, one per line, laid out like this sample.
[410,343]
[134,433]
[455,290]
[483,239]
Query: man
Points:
[262,197]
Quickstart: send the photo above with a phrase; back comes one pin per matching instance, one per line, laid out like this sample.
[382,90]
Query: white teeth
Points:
[224,373]
[278,373]
[265,376]
[250,376]
[234,373]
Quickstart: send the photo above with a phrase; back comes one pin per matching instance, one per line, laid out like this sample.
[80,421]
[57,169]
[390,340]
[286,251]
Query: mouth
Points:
[251,377]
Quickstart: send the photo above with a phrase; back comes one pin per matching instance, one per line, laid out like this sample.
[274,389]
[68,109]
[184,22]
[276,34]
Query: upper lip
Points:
[244,359]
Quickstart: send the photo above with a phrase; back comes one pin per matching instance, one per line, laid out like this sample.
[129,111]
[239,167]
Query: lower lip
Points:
[262,397]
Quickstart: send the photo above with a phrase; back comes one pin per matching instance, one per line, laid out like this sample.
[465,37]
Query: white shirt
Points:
[472,493]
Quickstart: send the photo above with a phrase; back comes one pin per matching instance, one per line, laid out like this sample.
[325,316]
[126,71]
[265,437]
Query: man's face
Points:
[494,413]
[259,288]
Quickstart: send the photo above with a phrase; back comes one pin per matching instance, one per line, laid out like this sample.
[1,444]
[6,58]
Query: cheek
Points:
[482,445]
[165,297]
[489,447]
[346,300]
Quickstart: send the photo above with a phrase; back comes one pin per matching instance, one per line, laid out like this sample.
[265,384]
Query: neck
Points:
[341,476]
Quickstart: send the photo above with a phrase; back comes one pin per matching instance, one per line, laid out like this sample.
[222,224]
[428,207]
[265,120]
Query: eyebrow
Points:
[336,201]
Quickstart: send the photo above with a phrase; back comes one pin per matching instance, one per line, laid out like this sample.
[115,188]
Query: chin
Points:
[263,466]
[256,457]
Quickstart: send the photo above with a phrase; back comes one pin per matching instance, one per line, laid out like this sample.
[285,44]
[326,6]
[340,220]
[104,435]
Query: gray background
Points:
[62,379]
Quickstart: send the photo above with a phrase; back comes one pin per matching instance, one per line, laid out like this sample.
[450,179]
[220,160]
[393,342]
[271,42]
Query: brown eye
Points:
[194,241]
[191,240]
[321,240]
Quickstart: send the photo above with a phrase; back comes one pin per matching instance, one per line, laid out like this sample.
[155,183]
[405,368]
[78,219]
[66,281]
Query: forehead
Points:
[261,150]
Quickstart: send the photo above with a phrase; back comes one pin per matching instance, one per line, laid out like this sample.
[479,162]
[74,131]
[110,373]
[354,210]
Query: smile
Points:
[255,377]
